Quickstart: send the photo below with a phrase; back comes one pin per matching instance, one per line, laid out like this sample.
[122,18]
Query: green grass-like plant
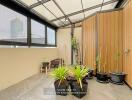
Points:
[79,73]
[60,74]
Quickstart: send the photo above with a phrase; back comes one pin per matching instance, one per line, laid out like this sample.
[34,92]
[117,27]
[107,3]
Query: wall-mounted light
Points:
[127,51]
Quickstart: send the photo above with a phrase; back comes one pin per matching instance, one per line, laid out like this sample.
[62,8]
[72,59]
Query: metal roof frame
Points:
[66,16]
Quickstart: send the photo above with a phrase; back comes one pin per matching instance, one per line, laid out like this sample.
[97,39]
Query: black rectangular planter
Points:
[77,90]
[61,89]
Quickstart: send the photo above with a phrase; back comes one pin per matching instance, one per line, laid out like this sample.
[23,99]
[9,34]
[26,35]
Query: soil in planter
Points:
[61,89]
[117,78]
[77,90]
[102,77]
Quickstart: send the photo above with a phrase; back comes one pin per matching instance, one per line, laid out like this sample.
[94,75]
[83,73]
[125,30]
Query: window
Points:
[15,31]
[37,32]
[13,26]
[50,36]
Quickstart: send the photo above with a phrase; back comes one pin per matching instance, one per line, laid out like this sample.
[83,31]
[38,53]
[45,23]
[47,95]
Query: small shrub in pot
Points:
[61,84]
[101,75]
[79,85]
[90,73]
[117,77]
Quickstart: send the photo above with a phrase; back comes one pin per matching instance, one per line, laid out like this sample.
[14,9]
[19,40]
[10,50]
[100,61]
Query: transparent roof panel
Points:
[70,6]
[53,8]
[58,23]
[50,11]
[90,3]
[62,22]
[28,2]
[90,12]
[77,17]
[44,12]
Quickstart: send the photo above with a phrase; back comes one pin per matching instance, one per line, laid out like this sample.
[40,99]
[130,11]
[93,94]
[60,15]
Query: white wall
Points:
[64,44]
[17,64]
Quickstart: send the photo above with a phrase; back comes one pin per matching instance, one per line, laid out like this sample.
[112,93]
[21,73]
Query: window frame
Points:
[29,37]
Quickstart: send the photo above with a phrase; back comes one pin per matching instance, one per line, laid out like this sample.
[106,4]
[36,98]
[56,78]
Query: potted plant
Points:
[61,84]
[79,85]
[101,75]
[117,77]
[90,73]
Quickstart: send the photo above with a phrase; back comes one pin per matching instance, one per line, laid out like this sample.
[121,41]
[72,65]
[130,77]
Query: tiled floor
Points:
[34,89]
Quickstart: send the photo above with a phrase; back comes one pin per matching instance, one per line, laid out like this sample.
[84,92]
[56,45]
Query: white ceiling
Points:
[50,11]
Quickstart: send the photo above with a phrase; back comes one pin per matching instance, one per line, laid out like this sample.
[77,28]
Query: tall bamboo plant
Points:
[101,66]
[116,58]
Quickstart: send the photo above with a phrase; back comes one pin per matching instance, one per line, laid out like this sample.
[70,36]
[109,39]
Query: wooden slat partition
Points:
[114,31]
[110,40]
[89,43]
[106,30]
[127,26]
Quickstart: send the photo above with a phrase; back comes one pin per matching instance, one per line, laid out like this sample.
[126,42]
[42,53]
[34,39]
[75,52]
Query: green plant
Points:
[79,73]
[116,58]
[60,74]
[101,64]
[74,43]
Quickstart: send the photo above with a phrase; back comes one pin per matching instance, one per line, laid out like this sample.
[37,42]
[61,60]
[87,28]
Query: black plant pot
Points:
[61,89]
[117,78]
[90,74]
[77,90]
[102,77]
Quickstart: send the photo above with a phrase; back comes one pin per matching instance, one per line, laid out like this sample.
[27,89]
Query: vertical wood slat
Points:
[127,41]
[109,30]
[110,39]
[89,43]
[115,27]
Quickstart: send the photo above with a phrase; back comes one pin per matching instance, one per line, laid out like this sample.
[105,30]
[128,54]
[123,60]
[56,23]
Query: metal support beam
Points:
[72,35]
[87,9]
[102,5]
[65,16]
[83,8]
[93,15]
[38,3]
[29,32]
[72,23]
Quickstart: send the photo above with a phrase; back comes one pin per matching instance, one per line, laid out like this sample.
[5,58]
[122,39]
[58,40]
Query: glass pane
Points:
[38,32]
[13,25]
[50,36]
